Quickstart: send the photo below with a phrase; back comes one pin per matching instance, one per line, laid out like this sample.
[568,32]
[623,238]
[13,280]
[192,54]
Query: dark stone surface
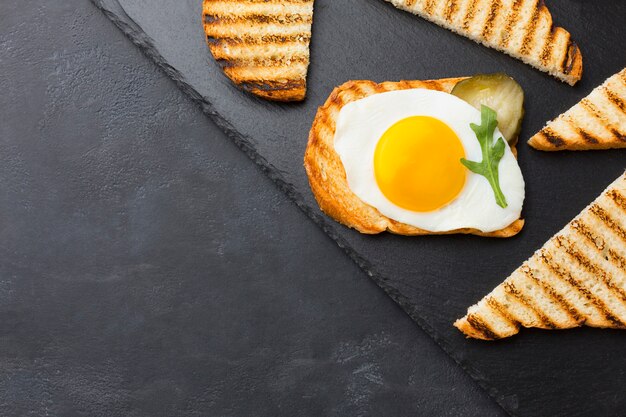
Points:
[370,39]
[148,268]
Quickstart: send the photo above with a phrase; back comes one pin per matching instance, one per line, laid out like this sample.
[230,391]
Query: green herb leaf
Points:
[492,152]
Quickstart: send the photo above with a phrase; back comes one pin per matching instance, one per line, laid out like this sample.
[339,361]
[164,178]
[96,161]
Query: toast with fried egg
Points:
[327,176]
[262,46]
[577,278]
[598,121]
[520,28]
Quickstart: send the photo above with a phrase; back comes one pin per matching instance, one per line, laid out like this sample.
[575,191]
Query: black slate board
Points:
[573,373]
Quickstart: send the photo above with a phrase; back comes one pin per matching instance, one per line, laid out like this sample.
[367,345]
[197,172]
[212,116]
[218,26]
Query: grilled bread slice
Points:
[577,278]
[597,122]
[327,176]
[262,45]
[520,28]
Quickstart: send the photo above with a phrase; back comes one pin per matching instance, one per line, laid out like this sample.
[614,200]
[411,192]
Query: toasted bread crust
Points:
[577,278]
[261,45]
[596,122]
[522,29]
[327,176]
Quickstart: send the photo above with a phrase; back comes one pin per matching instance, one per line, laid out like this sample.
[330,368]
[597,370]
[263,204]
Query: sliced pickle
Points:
[499,92]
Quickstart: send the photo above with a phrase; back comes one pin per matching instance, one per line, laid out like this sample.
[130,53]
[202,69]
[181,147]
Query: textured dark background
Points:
[434,279]
[148,268]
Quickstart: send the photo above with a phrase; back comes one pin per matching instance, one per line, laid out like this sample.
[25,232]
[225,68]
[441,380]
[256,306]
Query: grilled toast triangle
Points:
[577,278]
[520,28]
[596,122]
[261,45]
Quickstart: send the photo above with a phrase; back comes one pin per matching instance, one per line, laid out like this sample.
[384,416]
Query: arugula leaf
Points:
[492,152]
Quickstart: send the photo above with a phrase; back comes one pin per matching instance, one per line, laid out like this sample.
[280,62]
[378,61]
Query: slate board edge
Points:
[136,35]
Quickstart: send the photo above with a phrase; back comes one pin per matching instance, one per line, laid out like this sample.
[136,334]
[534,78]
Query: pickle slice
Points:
[499,92]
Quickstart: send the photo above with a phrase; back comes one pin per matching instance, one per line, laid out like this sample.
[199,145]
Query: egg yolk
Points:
[417,164]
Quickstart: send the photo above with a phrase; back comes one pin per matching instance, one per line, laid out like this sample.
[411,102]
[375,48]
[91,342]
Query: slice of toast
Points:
[520,28]
[577,278]
[327,176]
[597,122]
[261,45]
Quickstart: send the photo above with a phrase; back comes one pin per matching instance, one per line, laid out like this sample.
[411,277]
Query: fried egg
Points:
[401,152]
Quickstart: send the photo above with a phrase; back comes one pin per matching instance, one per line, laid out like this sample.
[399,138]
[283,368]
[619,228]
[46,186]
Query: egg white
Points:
[362,123]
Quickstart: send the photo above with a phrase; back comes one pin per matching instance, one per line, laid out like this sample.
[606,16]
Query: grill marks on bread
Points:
[262,45]
[520,28]
[598,121]
[577,278]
